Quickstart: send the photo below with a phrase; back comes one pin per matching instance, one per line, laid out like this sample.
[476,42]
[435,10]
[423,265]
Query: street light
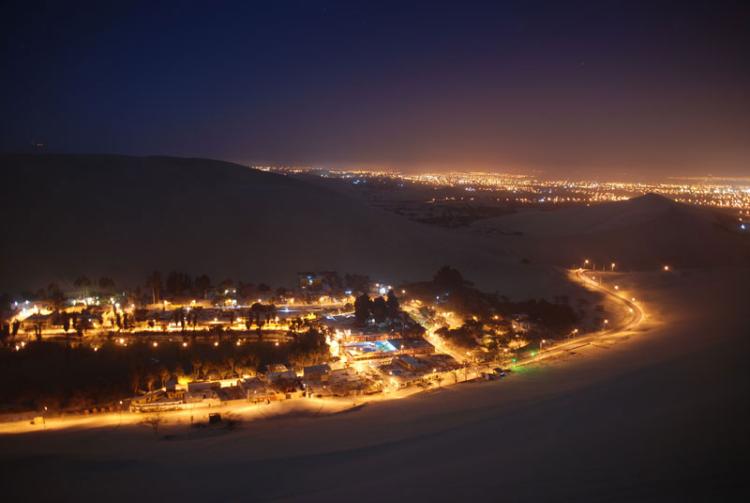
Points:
[612,266]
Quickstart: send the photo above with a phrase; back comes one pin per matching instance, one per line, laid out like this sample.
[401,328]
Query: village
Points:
[325,338]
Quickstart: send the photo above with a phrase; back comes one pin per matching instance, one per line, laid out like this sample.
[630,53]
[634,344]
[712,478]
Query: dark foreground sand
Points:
[660,417]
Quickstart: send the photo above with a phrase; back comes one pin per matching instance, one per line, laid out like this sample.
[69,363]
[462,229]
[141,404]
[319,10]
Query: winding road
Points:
[621,329]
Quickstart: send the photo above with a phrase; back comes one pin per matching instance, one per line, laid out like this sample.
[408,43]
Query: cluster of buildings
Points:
[319,381]
[523,189]
[277,383]
[364,361]
[366,358]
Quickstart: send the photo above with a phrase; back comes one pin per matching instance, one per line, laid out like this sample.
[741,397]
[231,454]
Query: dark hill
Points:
[643,232]
[123,217]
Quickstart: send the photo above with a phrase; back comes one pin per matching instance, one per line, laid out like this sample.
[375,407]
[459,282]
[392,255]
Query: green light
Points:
[514,360]
[533,354]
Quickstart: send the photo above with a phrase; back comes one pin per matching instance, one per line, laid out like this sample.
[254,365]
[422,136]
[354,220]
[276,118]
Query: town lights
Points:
[155,344]
[184,344]
[666,268]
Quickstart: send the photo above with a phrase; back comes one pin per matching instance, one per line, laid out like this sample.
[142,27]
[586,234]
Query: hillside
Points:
[644,232]
[123,217]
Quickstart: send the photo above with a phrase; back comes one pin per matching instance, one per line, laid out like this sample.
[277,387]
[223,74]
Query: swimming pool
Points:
[370,347]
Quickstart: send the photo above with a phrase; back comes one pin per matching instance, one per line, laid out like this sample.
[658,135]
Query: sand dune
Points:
[661,417]
[124,217]
[641,233]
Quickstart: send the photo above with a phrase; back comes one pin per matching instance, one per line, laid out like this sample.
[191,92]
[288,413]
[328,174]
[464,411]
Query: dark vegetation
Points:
[379,308]
[449,289]
[463,215]
[385,313]
[63,377]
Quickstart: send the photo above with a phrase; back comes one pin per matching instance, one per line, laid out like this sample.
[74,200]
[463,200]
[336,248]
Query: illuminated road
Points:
[621,329]
[430,336]
[249,411]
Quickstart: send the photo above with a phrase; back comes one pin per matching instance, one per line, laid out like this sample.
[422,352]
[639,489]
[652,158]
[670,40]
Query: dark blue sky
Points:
[610,88]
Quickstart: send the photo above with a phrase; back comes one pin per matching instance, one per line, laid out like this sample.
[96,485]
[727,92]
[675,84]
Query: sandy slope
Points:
[641,233]
[124,217]
[661,418]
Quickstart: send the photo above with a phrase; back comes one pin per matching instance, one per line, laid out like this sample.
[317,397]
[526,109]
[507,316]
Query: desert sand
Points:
[660,416]
[124,217]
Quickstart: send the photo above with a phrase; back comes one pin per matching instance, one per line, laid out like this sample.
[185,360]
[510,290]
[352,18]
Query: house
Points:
[412,346]
[207,396]
[282,382]
[317,372]
[197,386]
[231,393]
[410,363]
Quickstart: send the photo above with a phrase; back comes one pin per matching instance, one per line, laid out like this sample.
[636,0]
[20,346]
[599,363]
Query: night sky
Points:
[608,88]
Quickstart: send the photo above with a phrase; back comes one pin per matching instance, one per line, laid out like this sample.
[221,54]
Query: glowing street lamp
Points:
[612,266]
[666,268]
